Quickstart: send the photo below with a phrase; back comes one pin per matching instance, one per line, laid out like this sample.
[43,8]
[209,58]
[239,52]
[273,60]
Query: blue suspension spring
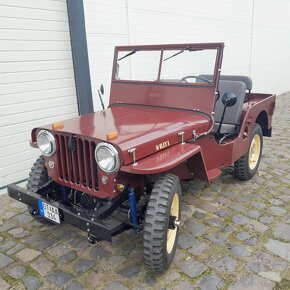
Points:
[133,207]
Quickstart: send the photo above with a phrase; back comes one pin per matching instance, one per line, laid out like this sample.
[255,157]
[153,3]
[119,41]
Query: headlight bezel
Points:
[114,153]
[51,140]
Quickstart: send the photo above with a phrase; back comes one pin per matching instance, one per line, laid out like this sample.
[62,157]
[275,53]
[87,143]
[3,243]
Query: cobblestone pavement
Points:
[235,235]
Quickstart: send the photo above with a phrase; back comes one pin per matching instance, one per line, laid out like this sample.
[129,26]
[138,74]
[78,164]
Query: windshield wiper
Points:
[128,54]
[175,54]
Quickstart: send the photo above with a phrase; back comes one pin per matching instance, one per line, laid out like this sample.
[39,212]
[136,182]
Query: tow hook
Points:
[92,239]
[34,212]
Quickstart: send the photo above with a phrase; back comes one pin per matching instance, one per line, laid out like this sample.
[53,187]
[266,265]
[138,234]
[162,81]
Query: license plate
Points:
[49,211]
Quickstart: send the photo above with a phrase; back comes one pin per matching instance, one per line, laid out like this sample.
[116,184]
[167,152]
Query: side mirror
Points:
[229,99]
[102,89]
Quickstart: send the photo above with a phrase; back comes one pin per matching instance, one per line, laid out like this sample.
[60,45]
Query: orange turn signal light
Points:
[120,187]
[57,125]
[112,135]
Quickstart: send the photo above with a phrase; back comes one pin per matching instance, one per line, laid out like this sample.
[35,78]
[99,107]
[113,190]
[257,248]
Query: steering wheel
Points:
[184,80]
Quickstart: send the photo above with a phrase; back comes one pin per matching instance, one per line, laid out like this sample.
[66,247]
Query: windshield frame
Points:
[191,47]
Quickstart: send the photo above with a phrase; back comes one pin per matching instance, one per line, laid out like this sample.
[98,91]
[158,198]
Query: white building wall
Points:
[36,78]
[106,26]
[255,32]
[271,46]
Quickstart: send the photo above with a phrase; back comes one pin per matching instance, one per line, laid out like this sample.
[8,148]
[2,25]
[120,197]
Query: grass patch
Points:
[10,280]
[284,284]
[32,272]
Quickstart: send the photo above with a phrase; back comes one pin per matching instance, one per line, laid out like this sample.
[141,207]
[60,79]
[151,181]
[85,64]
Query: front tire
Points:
[247,166]
[161,223]
[38,176]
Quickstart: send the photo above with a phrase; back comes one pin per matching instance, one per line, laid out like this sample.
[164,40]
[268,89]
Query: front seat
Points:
[233,114]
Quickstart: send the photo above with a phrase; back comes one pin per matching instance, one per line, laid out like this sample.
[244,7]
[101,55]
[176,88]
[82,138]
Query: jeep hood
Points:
[148,129]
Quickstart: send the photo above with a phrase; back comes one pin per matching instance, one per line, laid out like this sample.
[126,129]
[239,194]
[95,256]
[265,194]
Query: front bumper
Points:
[101,229]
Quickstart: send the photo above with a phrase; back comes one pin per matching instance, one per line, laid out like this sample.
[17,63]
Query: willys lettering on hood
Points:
[147,129]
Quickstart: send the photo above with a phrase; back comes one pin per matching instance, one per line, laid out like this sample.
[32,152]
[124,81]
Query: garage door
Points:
[36,78]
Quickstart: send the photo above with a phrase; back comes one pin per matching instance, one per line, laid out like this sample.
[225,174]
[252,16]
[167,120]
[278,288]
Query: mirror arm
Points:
[229,99]
[222,120]
[101,100]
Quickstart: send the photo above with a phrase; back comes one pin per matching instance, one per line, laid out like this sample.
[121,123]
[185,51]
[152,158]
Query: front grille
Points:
[76,161]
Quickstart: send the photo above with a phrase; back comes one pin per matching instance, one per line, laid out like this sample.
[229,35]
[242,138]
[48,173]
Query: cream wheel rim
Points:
[254,153]
[171,233]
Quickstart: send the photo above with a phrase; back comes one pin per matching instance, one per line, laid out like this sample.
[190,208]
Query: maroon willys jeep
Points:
[171,117]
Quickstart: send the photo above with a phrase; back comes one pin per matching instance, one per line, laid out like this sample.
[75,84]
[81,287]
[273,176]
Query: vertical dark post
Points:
[77,27]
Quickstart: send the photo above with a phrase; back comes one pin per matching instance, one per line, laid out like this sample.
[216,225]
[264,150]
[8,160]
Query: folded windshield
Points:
[174,66]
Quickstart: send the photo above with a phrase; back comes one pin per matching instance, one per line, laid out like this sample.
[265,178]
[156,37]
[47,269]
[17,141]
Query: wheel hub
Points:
[173,223]
[254,152]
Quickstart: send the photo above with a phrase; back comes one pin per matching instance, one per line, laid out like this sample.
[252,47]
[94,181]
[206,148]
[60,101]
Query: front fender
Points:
[164,160]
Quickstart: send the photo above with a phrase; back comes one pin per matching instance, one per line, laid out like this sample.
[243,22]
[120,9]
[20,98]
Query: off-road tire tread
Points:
[242,170]
[156,223]
[37,177]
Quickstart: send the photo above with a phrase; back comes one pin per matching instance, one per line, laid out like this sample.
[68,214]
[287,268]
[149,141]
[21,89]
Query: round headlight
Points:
[46,143]
[107,157]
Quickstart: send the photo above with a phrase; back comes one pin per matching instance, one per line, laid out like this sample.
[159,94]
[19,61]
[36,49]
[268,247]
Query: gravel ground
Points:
[235,235]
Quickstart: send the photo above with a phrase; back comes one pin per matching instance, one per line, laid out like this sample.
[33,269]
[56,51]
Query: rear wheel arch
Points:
[263,121]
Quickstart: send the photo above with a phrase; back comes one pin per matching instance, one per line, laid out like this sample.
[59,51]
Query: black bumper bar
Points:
[101,229]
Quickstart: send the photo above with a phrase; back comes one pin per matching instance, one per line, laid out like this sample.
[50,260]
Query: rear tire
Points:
[37,178]
[247,166]
[163,211]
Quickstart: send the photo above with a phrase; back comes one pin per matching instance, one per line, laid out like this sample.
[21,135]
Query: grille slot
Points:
[76,161]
